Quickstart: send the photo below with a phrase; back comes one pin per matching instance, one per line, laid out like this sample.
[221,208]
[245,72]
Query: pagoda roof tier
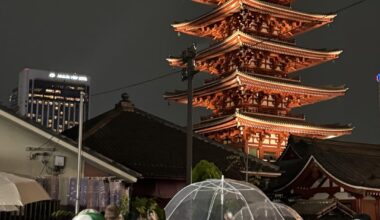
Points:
[219,2]
[294,58]
[277,16]
[272,123]
[270,85]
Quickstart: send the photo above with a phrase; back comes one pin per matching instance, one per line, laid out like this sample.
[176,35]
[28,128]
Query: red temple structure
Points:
[251,93]
[326,179]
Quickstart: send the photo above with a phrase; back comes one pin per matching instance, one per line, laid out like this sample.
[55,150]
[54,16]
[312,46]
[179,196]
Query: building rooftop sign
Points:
[68,76]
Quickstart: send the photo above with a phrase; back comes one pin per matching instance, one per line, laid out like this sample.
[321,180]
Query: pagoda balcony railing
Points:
[275,112]
[250,110]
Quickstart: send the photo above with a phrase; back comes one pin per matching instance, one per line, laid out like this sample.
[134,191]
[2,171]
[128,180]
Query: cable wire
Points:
[135,84]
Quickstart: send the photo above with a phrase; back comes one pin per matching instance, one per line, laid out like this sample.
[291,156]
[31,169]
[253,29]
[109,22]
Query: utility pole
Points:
[188,58]
[80,132]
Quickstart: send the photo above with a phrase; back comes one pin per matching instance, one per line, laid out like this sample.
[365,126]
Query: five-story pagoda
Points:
[251,94]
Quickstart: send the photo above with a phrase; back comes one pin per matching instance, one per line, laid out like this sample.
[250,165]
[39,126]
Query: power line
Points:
[135,84]
[348,7]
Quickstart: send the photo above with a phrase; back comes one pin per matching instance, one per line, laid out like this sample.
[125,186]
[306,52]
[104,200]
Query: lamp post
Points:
[79,171]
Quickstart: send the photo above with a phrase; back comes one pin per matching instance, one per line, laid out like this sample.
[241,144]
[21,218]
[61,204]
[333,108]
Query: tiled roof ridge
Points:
[338,143]
[199,137]
[107,118]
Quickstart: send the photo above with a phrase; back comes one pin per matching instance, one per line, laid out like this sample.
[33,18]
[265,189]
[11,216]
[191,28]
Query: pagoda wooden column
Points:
[246,135]
[377,207]
[359,203]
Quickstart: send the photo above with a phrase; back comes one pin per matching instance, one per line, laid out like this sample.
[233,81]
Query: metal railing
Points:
[34,211]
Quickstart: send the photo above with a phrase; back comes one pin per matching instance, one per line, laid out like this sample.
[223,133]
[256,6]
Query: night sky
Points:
[122,42]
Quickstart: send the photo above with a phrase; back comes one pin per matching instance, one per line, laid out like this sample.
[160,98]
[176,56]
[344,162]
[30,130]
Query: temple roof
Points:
[240,39]
[273,123]
[219,2]
[261,83]
[319,208]
[309,21]
[153,146]
[355,166]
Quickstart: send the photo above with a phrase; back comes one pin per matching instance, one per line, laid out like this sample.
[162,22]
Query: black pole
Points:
[188,58]
[189,145]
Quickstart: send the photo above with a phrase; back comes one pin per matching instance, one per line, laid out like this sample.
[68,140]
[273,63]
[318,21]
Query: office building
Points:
[51,98]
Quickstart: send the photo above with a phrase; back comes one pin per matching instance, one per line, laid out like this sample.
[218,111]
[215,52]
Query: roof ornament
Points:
[125,97]
[241,5]
[239,81]
[126,104]
[238,37]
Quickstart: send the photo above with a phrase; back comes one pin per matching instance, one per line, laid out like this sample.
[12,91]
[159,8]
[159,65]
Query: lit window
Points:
[253,151]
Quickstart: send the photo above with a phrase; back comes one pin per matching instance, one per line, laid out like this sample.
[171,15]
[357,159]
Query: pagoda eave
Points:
[272,123]
[309,21]
[208,2]
[219,2]
[239,39]
[239,79]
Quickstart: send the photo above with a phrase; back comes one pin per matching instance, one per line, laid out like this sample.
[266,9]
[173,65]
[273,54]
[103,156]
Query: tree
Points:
[204,170]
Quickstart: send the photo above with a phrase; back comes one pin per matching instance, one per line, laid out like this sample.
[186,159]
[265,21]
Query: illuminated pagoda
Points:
[251,93]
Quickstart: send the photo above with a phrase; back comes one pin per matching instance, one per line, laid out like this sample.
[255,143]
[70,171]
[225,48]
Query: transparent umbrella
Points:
[222,200]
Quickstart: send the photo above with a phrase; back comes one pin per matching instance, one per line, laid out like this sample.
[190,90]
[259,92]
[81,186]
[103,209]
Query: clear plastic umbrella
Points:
[18,191]
[222,200]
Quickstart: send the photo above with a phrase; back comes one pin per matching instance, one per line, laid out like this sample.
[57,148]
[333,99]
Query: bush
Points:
[204,170]
[143,205]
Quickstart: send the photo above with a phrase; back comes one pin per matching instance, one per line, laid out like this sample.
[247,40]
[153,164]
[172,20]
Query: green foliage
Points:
[204,170]
[142,205]
[124,206]
[63,214]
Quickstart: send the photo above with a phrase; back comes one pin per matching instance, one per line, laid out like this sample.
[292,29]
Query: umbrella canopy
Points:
[89,214]
[18,191]
[224,200]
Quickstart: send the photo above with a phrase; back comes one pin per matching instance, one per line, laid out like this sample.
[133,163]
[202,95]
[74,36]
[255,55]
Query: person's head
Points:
[112,212]
[228,215]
